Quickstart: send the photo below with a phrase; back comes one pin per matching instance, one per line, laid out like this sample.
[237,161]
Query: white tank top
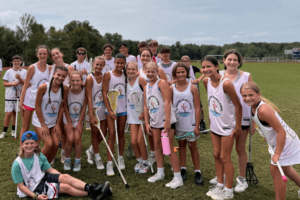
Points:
[37,79]
[167,70]
[118,83]
[240,80]
[132,115]
[156,106]
[292,143]
[75,104]
[31,178]
[66,82]
[184,109]
[50,110]
[109,65]
[142,74]
[97,98]
[221,109]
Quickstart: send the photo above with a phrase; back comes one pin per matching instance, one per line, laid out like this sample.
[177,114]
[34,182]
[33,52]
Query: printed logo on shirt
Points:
[121,88]
[169,77]
[131,105]
[98,98]
[214,106]
[44,80]
[184,107]
[75,109]
[153,104]
[52,108]
[107,68]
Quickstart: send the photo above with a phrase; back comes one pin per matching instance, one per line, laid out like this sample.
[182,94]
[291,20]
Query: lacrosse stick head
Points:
[137,100]
[113,95]
[250,175]
[95,114]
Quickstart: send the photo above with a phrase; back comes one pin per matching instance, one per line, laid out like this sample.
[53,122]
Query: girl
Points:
[225,114]
[36,178]
[13,81]
[279,136]
[37,74]
[49,110]
[146,57]
[232,62]
[136,83]
[186,101]
[94,83]
[57,56]
[73,120]
[116,79]
[159,116]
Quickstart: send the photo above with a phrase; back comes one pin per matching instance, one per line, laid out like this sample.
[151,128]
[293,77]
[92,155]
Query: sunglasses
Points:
[81,54]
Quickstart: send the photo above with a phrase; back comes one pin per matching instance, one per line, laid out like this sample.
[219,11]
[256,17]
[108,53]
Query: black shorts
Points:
[245,127]
[50,178]
[172,127]
[219,135]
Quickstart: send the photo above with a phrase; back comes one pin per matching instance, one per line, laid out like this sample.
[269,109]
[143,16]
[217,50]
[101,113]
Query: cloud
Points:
[166,40]
[241,34]
[199,33]
[10,18]
[199,40]
[207,7]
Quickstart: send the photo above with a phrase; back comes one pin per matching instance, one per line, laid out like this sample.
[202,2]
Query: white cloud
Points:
[242,34]
[199,40]
[259,34]
[166,40]
[10,18]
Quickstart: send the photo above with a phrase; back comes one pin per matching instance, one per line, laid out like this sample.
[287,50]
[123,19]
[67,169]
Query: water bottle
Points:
[165,142]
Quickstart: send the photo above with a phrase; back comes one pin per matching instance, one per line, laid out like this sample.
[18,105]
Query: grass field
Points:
[277,81]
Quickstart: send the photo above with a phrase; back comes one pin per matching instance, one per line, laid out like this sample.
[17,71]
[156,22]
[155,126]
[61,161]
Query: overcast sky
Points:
[188,21]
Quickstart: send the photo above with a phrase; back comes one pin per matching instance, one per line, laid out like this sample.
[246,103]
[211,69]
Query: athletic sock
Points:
[62,151]
[183,168]
[121,157]
[97,156]
[139,160]
[5,129]
[230,190]
[220,184]
[109,162]
[198,171]
[91,149]
[177,175]
[68,159]
[153,153]
[13,127]
[145,162]
[242,179]
[77,160]
[161,171]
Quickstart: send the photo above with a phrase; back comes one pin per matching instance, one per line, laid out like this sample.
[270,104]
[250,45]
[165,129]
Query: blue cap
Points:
[33,136]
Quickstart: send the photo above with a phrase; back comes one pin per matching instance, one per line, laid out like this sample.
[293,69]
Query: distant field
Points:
[279,82]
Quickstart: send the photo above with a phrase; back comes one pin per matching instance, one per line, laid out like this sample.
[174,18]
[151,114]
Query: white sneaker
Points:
[156,177]
[215,189]
[121,163]
[90,156]
[62,157]
[77,166]
[67,165]
[2,135]
[175,183]
[13,133]
[214,181]
[223,194]
[99,164]
[241,186]
[138,166]
[151,159]
[87,126]
[110,169]
[144,169]
[299,193]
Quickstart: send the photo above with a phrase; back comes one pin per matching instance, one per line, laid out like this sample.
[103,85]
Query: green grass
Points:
[277,81]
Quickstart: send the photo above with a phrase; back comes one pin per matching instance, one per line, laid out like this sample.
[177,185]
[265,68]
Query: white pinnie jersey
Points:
[75,105]
[292,143]
[221,109]
[97,98]
[10,76]
[118,83]
[168,68]
[130,58]
[37,79]
[156,106]
[184,109]
[132,115]
[238,82]
[50,110]
[66,81]
[79,67]
[109,65]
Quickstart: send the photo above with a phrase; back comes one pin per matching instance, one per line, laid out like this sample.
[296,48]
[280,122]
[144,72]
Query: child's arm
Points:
[165,91]
[18,76]
[29,193]
[199,79]
[162,74]
[88,96]
[143,83]
[205,80]
[67,115]
[38,102]
[146,114]
[7,84]
[30,72]
[196,96]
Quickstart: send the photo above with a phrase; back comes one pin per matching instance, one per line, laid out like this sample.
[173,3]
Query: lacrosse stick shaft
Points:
[117,141]
[250,138]
[279,166]
[16,125]
[146,144]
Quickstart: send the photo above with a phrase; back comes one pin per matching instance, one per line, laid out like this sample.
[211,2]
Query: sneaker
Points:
[67,165]
[99,164]
[121,163]
[102,191]
[90,156]
[156,177]
[144,169]
[299,193]
[215,189]
[175,183]
[138,166]
[214,181]
[13,133]
[198,178]
[223,194]
[2,135]
[53,161]
[62,157]
[183,174]
[110,169]
[87,126]
[77,166]
[151,159]
[241,186]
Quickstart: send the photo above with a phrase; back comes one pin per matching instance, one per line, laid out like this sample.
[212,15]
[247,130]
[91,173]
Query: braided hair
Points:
[62,68]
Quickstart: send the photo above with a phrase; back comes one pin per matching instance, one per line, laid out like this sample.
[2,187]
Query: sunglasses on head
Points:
[81,54]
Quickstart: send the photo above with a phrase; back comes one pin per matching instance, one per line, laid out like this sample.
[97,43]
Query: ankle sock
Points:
[177,175]
[68,159]
[91,149]
[97,156]
[13,127]
[242,179]
[109,162]
[220,184]
[140,160]
[161,171]
[153,153]
[145,162]
[5,129]
[62,151]
[77,160]
[183,168]
[230,190]
[198,171]
[121,157]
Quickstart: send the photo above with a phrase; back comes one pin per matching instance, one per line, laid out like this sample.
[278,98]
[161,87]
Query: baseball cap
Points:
[33,136]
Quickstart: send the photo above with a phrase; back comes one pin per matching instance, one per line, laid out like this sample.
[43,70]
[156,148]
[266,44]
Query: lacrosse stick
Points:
[186,136]
[250,175]
[272,152]
[137,99]
[113,95]
[112,155]
[16,126]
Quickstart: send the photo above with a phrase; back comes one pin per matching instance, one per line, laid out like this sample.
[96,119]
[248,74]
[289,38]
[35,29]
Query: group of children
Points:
[58,97]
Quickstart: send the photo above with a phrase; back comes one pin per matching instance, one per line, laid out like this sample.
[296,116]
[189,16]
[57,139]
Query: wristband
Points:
[35,196]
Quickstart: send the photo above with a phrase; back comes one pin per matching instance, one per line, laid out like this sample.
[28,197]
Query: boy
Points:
[80,64]
[153,46]
[124,50]
[109,60]
[166,64]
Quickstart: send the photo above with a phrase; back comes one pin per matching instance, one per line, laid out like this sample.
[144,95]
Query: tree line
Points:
[29,34]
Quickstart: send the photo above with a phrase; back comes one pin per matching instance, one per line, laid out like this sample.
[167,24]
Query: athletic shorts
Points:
[28,108]
[245,127]
[190,139]
[219,135]
[49,186]
[172,127]
[10,105]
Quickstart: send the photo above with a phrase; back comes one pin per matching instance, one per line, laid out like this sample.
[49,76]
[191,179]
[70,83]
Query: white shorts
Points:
[190,139]
[293,160]
[11,106]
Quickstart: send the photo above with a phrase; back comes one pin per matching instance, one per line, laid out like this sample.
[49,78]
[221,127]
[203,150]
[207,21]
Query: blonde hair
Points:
[253,86]
[151,64]
[132,63]
[187,57]
[76,72]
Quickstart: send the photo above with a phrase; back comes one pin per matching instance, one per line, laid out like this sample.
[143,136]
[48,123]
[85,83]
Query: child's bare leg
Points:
[279,185]
[68,189]
[182,152]
[292,174]
[173,157]
[195,154]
